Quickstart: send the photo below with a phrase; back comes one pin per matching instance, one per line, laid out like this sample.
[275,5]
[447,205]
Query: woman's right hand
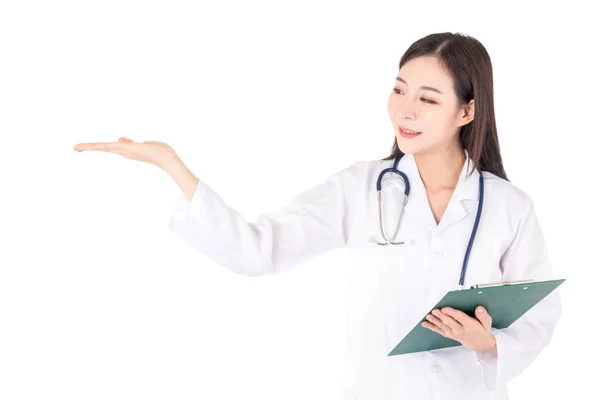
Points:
[152,152]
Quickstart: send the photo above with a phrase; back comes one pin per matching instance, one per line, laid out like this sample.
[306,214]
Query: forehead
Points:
[426,71]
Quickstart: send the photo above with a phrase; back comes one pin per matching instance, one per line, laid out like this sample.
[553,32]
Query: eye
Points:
[425,100]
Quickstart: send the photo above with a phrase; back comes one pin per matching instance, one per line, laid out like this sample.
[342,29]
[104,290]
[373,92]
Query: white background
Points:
[261,99]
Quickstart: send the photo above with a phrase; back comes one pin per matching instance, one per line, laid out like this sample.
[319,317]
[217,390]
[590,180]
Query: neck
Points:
[440,171]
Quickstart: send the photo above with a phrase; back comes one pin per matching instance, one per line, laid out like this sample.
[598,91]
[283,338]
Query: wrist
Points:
[182,175]
[171,163]
[492,348]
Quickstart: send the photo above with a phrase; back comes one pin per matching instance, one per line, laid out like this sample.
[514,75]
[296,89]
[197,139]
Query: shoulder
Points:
[356,176]
[363,170]
[348,177]
[354,172]
[505,195]
[374,166]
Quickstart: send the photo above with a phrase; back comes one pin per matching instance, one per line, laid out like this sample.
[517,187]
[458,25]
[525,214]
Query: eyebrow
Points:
[422,87]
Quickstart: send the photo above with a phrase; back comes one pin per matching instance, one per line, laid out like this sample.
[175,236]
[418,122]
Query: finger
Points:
[111,147]
[439,323]
[457,327]
[101,146]
[433,328]
[458,315]
[126,140]
[484,317]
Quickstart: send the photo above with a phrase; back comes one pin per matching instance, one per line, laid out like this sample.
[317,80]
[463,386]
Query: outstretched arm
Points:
[313,223]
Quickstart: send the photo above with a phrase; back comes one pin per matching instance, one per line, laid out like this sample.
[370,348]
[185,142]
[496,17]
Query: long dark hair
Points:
[468,63]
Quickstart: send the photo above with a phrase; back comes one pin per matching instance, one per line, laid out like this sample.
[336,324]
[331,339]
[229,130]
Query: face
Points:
[423,100]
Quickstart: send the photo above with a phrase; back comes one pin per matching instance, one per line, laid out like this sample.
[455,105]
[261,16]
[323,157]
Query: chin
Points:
[407,151]
[406,148]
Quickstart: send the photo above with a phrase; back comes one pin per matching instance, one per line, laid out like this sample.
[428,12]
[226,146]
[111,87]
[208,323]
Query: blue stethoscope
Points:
[395,170]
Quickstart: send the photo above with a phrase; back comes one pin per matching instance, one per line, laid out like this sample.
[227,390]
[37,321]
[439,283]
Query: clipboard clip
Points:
[484,285]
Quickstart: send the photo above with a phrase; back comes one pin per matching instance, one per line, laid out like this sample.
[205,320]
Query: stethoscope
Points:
[395,170]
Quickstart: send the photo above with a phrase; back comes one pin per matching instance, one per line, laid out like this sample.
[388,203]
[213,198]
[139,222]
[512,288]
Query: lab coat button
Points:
[436,368]
[438,254]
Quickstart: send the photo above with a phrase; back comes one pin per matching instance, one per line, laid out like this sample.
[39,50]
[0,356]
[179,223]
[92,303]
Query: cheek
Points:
[436,123]
[431,123]
[430,118]
[392,106]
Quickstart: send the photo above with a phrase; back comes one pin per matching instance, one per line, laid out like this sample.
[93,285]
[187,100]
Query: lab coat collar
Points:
[463,202]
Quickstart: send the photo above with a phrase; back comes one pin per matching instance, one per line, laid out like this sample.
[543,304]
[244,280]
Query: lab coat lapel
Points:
[464,198]
[417,205]
[466,191]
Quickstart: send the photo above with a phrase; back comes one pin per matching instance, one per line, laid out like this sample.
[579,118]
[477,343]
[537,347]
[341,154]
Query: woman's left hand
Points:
[473,333]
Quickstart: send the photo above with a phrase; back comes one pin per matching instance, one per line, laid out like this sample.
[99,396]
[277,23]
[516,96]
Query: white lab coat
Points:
[392,287]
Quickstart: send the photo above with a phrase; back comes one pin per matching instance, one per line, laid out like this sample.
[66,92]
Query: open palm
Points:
[152,152]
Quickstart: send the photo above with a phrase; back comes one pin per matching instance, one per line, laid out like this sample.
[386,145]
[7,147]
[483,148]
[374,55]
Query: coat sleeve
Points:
[519,344]
[312,223]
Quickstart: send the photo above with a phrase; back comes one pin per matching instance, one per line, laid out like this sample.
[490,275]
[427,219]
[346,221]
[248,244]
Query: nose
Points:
[406,110]
[401,117]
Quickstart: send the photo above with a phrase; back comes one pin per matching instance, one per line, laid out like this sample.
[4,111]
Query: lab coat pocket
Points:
[484,260]
[397,265]
[399,273]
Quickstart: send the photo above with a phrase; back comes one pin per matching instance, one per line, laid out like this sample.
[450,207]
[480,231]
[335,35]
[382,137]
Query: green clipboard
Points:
[504,301]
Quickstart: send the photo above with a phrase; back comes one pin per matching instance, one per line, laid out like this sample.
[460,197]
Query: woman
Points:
[442,112]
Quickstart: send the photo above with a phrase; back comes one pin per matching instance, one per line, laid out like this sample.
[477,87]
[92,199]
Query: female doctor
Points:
[441,109]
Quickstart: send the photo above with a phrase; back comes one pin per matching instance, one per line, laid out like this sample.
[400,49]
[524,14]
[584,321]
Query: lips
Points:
[408,132]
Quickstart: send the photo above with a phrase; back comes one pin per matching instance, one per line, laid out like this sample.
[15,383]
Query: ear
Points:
[467,113]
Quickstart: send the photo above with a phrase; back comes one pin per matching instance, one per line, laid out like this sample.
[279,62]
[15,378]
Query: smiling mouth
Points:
[405,132]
